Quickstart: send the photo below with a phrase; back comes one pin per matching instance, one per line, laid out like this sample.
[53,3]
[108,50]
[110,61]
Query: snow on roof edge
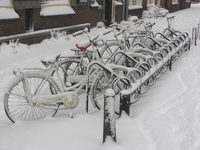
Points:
[95,4]
[56,10]
[8,13]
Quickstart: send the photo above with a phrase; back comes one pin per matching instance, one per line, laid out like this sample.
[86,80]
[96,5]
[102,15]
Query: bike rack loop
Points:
[87,80]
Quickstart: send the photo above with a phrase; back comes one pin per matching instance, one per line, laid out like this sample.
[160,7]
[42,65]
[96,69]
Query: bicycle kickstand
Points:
[70,112]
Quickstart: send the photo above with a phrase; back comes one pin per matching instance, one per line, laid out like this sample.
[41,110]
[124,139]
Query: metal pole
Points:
[195,37]
[170,64]
[125,101]
[198,31]
[123,10]
[109,127]
[126,9]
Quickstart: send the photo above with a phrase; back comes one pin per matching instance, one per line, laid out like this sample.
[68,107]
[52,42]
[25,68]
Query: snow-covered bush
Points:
[56,34]
[100,24]
[133,18]
[13,47]
[153,11]
[130,22]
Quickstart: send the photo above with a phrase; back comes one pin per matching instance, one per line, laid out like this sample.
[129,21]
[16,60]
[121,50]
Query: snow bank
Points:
[165,118]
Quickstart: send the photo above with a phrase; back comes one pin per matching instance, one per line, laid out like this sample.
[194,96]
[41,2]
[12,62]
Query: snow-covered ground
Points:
[167,117]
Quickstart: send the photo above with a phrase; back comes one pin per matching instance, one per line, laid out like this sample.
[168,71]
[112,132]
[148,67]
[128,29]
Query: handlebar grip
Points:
[95,38]
[150,25]
[163,15]
[171,17]
[138,22]
[118,33]
[107,32]
[112,25]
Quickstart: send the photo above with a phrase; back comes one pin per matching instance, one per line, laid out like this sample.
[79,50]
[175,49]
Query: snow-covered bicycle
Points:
[36,93]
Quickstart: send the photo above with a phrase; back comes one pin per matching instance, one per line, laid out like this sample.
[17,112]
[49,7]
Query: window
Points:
[134,4]
[150,2]
[174,1]
[81,1]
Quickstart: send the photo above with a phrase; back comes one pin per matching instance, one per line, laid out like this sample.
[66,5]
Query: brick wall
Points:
[171,7]
[184,4]
[47,22]
[83,14]
[136,12]
[162,3]
[13,26]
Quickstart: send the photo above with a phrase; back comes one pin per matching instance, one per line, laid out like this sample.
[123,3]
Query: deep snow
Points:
[167,117]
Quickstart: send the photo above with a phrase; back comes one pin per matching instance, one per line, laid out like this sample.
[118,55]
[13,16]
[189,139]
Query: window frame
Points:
[137,6]
[148,2]
[174,2]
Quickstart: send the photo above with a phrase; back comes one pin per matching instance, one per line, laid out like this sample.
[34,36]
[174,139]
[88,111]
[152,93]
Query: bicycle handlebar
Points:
[95,38]
[150,25]
[117,25]
[165,15]
[85,30]
[107,32]
[172,17]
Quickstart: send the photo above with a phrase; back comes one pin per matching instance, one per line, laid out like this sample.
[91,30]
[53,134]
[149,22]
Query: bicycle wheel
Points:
[144,69]
[16,103]
[70,72]
[152,80]
[134,76]
[108,50]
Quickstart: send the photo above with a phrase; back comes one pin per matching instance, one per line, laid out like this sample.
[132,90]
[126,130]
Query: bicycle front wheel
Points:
[16,103]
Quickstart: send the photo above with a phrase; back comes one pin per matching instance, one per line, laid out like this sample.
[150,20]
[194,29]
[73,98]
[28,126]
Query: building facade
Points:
[34,15]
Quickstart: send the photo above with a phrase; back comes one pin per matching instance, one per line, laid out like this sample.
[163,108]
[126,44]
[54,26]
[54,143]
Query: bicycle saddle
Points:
[83,44]
[47,60]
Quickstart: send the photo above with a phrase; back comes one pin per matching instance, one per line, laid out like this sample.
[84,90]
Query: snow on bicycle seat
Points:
[83,44]
[50,59]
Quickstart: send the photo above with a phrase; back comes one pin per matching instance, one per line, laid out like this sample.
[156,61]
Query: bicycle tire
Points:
[15,100]
[72,67]
[108,50]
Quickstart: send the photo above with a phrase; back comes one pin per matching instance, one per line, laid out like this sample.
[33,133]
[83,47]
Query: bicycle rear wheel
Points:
[108,50]
[16,103]
[70,71]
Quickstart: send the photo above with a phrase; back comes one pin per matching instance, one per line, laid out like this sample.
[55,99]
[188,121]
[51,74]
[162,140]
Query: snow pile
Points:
[95,4]
[130,22]
[7,11]
[165,118]
[100,24]
[59,7]
[13,47]
[153,11]
[133,18]
[57,35]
